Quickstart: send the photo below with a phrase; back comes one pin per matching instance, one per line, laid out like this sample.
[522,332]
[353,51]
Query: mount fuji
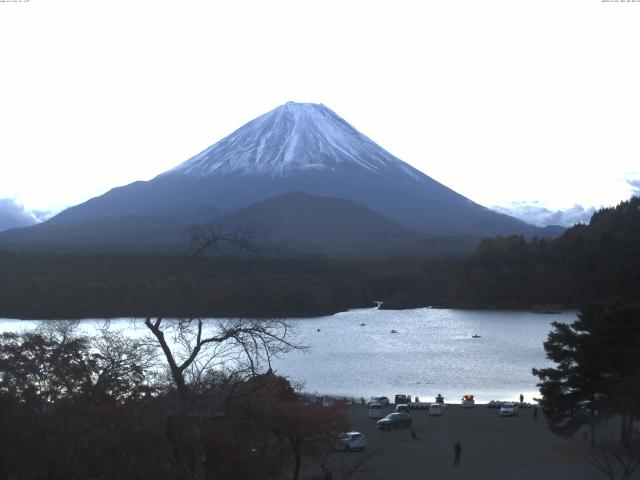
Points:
[297,147]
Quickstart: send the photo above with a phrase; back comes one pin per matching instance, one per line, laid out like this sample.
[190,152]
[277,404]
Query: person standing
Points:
[327,473]
[521,399]
[457,449]
[535,412]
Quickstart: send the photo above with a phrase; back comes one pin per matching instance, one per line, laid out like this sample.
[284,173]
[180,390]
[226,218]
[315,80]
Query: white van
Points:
[435,409]
[375,410]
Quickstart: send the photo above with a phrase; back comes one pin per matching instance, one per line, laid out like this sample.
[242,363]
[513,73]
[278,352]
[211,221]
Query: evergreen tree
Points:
[597,370]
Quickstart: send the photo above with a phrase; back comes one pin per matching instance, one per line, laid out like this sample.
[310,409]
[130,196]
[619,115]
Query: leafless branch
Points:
[615,462]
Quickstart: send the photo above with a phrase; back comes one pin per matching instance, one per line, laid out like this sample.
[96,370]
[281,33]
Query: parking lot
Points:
[493,448]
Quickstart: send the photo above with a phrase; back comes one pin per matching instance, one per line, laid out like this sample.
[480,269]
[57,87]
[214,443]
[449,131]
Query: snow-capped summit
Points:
[291,138]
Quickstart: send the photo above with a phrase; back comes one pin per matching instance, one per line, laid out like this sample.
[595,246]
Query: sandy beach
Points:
[493,448]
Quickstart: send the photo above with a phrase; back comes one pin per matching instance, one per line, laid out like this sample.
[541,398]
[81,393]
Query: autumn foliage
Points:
[69,412]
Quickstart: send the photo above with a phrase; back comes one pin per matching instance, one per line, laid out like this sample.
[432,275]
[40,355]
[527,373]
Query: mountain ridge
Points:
[288,215]
[297,148]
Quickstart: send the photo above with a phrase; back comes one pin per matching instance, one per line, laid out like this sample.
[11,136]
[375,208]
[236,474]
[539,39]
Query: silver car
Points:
[509,410]
[350,441]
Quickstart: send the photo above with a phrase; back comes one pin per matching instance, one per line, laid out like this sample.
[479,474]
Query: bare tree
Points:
[207,239]
[60,330]
[191,347]
[124,362]
[616,462]
[200,353]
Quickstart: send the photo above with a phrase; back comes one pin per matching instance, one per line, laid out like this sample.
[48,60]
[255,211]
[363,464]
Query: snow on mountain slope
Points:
[291,138]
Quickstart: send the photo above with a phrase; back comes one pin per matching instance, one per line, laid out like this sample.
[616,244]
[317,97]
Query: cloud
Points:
[13,215]
[635,186]
[42,215]
[541,216]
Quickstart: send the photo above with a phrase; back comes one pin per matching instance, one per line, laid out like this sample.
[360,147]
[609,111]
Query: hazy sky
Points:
[503,101]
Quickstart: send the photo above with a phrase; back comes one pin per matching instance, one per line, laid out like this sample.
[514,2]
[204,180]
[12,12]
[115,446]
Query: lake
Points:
[432,352]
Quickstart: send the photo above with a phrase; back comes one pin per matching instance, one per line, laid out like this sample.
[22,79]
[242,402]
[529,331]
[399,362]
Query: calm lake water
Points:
[433,352]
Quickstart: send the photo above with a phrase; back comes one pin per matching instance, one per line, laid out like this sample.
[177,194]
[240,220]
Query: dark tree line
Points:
[101,286]
[588,262]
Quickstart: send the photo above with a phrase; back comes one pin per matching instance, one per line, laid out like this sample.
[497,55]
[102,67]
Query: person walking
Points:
[535,412]
[457,448]
[521,399]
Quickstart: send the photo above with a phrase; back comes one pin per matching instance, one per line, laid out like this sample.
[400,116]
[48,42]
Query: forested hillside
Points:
[84,286]
[587,262]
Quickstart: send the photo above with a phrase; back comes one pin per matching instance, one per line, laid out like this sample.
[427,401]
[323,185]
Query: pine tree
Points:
[597,372]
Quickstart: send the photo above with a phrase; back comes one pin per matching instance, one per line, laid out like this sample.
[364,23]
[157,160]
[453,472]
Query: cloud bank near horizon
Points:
[635,186]
[14,215]
[537,214]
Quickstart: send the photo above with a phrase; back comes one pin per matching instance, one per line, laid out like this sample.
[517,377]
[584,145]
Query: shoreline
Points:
[289,315]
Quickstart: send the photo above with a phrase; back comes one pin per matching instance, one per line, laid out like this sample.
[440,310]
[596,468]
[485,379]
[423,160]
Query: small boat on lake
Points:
[475,335]
[363,324]
[394,331]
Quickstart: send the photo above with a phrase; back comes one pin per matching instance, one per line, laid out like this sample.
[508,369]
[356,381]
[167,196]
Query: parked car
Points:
[394,420]
[509,410]
[350,441]
[375,410]
[402,399]
[402,408]
[384,401]
[584,407]
[435,409]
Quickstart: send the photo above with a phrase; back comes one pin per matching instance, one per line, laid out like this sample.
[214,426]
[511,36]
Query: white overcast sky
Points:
[503,101]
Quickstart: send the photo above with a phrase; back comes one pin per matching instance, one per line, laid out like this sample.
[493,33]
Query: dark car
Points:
[384,401]
[402,399]
[394,420]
